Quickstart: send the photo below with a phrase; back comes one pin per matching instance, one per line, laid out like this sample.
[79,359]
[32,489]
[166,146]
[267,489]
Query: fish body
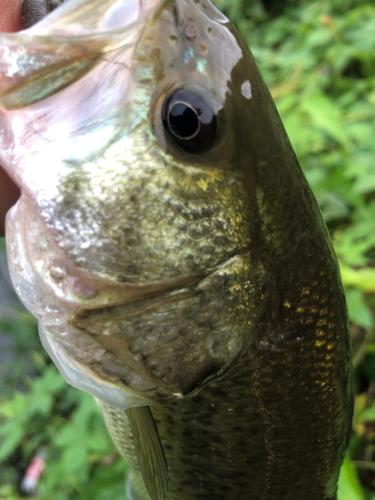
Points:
[173,252]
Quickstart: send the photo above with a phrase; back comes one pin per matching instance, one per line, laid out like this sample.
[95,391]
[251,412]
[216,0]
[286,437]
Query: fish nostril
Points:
[190,32]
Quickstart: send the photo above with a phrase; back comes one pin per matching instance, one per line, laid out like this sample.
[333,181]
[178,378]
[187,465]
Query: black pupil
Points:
[183,121]
[190,119]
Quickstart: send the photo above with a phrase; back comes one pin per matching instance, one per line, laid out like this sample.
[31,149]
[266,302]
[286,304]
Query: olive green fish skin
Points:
[247,365]
[276,424]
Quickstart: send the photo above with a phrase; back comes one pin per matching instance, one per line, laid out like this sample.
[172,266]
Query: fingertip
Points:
[9,194]
[10,18]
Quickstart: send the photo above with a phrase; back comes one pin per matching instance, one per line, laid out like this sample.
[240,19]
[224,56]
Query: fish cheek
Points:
[182,341]
[165,341]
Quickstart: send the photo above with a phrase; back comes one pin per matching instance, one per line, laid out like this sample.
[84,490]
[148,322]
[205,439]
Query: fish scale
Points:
[188,282]
[118,427]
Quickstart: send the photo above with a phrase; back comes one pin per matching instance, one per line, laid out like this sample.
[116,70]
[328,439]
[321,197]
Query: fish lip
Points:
[166,290]
[104,15]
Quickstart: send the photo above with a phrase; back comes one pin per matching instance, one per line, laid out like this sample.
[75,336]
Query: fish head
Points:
[126,124]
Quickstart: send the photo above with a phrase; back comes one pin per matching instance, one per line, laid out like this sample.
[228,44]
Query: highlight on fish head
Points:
[132,129]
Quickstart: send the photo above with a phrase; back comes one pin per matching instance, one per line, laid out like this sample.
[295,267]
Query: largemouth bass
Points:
[172,251]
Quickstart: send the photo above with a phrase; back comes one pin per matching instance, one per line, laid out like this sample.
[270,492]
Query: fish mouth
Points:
[58,60]
[94,16]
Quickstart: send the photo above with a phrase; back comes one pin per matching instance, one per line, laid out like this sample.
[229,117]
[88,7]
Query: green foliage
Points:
[349,485]
[317,57]
[80,458]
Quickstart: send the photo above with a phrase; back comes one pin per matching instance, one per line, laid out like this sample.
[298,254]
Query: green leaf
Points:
[41,402]
[10,437]
[364,279]
[74,458]
[368,414]
[359,311]
[8,492]
[101,443]
[349,485]
[53,380]
[68,434]
[325,116]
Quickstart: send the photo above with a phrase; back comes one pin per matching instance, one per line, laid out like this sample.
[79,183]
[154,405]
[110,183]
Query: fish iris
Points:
[190,119]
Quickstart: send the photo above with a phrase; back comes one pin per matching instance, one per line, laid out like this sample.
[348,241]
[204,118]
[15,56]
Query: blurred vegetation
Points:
[318,59]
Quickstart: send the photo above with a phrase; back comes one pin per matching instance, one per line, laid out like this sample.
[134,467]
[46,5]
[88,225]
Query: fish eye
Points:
[190,119]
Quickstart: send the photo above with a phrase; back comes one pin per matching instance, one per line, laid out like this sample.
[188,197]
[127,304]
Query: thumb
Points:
[10,19]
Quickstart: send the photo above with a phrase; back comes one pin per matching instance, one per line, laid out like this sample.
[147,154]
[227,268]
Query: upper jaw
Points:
[78,17]
[50,77]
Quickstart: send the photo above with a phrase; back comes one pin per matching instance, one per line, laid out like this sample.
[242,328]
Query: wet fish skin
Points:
[268,418]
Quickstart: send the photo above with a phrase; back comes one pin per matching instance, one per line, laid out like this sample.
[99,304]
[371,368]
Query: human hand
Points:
[10,20]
